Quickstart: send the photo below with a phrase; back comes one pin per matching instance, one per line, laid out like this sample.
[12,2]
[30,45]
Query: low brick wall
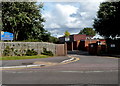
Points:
[37,46]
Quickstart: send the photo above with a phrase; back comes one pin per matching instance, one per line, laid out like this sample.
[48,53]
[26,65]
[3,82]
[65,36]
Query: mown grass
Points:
[22,57]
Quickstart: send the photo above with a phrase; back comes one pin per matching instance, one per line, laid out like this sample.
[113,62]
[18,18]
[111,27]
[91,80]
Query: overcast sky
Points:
[71,16]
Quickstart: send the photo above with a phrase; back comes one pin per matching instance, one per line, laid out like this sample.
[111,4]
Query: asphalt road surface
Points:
[87,70]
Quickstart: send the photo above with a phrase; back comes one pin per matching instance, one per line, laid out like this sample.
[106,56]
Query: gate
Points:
[61,49]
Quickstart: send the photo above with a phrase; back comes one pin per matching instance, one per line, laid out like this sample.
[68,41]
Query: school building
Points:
[79,42]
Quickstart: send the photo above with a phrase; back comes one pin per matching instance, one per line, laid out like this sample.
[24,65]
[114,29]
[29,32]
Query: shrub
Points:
[31,40]
[45,52]
[11,51]
[6,51]
[31,52]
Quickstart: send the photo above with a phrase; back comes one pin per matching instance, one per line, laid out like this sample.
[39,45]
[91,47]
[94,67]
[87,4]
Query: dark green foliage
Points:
[31,52]
[16,53]
[6,51]
[31,40]
[88,31]
[11,51]
[45,52]
[24,19]
[108,19]
[53,39]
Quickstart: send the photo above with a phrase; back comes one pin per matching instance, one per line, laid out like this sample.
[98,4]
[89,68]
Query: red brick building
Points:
[78,41]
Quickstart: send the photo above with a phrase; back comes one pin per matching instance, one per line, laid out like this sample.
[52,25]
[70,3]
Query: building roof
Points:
[97,36]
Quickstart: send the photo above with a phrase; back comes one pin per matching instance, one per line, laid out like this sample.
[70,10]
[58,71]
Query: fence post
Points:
[65,48]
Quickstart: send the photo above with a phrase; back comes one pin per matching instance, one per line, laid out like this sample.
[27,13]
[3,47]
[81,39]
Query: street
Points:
[59,43]
[87,70]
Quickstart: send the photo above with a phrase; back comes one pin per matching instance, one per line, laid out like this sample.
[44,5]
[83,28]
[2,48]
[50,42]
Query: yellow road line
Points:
[76,59]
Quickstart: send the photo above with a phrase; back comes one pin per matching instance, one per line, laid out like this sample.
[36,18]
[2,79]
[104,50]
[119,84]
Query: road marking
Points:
[94,71]
[67,60]
[39,65]
[76,59]
[97,71]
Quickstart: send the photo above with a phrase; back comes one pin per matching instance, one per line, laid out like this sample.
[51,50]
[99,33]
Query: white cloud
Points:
[70,15]
[53,25]
[60,16]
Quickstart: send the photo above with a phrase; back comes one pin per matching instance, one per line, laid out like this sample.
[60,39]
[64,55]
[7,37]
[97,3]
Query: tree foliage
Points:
[88,31]
[66,34]
[108,19]
[53,39]
[24,19]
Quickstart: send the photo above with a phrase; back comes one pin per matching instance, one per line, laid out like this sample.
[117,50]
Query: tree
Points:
[53,39]
[66,34]
[24,19]
[108,18]
[88,31]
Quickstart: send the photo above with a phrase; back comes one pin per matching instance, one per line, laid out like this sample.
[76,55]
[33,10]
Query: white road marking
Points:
[67,60]
[96,71]
[90,71]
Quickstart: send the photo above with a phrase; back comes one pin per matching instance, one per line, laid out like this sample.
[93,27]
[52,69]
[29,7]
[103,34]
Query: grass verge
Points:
[22,57]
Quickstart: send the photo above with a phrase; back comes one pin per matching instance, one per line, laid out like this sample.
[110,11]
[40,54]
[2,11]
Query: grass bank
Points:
[22,57]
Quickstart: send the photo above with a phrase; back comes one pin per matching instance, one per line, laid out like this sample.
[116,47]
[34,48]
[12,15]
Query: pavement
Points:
[36,62]
[31,61]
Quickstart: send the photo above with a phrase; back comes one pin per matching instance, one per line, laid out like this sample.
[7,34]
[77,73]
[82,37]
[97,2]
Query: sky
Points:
[71,16]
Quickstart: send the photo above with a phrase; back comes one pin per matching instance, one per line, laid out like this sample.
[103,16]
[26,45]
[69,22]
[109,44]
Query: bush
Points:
[6,51]
[45,52]
[31,52]
[11,51]
[31,40]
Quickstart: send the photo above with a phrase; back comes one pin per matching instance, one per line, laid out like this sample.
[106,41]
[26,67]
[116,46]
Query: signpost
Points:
[6,36]
[67,39]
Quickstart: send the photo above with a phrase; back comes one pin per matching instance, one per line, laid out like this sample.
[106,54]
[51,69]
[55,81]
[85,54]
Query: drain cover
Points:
[27,63]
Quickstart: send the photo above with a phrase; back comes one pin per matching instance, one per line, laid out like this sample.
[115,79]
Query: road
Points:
[87,70]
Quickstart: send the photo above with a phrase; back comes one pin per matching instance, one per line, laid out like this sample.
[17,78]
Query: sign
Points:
[6,36]
[91,45]
[99,43]
[67,39]
[112,45]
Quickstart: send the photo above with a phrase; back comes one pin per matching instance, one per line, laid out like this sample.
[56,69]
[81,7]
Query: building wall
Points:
[87,42]
[78,37]
[84,44]
[78,41]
